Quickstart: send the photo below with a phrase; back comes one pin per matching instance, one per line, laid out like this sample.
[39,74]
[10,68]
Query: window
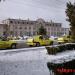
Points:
[25,27]
[16,27]
[22,22]
[29,27]
[48,28]
[20,28]
[11,21]
[47,24]
[18,22]
[15,22]
[31,22]
[50,24]
[56,25]
[27,23]
[53,24]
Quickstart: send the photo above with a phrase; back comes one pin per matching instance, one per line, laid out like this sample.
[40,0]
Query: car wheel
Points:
[37,44]
[51,43]
[30,46]
[13,46]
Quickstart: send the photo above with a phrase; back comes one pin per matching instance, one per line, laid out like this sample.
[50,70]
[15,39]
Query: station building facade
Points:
[18,27]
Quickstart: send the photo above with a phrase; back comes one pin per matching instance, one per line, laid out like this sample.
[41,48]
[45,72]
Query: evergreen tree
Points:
[70,12]
[42,31]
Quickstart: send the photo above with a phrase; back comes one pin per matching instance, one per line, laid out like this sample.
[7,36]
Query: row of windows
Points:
[54,25]
[18,22]
[30,22]
[21,33]
[25,28]
[24,33]
[53,29]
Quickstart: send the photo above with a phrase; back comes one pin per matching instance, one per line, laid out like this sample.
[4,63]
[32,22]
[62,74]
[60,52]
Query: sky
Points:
[33,9]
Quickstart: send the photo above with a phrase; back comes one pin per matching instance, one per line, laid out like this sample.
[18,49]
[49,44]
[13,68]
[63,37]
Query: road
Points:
[22,44]
[23,62]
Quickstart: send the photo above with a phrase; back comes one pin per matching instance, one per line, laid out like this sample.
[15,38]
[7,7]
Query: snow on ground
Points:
[23,63]
[22,56]
[62,57]
[32,62]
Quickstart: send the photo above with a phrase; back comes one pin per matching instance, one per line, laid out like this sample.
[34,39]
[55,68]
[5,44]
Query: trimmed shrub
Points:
[52,50]
[60,48]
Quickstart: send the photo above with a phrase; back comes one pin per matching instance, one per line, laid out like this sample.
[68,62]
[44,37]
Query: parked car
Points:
[6,43]
[64,39]
[39,40]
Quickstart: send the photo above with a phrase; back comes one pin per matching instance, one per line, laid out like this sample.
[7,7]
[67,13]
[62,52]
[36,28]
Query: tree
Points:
[70,12]
[42,31]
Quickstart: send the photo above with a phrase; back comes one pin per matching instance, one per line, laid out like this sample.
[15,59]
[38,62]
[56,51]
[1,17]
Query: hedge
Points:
[60,48]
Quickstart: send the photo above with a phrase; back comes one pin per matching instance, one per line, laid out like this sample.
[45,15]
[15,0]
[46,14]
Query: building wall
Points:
[1,30]
[18,27]
[65,31]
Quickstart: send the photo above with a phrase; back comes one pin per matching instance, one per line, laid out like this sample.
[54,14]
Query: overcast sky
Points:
[34,9]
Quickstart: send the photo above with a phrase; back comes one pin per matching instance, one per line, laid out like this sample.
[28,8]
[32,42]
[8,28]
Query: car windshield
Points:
[46,37]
